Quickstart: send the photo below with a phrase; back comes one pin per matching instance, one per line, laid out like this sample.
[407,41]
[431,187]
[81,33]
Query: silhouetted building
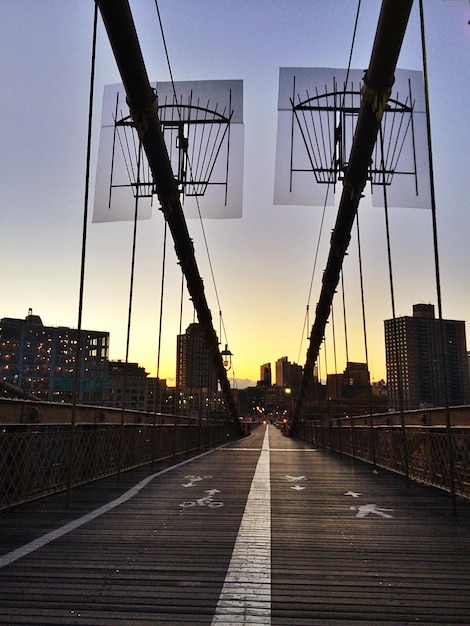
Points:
[127,383]
[353,382]
[157,394]
[288,374]
[41,360]
[194,369]
[265,374]
[414,360]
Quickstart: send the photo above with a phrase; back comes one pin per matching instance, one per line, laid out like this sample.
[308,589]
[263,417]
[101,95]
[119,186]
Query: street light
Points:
[226,358]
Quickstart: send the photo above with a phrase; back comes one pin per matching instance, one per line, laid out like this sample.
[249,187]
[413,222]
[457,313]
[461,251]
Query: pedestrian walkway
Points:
[265,530]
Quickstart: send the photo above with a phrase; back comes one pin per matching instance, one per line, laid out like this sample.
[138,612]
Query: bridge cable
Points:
[343,298]
[343,294]
[392,297]
[190,169]
[129,317]
[364,327]
[160,322]
[351,51]
[444,366]
[378,81]
[159,347]
[83,259]
[123,38]
[366,350]
[333,329]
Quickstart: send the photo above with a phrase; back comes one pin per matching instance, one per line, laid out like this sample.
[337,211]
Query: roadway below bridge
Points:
[264,530]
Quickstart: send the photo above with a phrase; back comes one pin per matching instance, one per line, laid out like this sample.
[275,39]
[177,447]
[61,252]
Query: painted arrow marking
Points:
[298,487]
[194,479]
[365,509]
[294,479]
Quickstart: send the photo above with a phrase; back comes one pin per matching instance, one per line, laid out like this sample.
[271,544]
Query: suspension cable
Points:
[437,268]
[129,317]
[345,323]
[392,297]
[159,347]
[364,328]
[333,328]
[190,168]
[329,183]
[83,259]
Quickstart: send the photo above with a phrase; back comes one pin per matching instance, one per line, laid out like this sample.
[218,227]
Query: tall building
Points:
[41,360]
[133,379]
[265,374]
[194,369]
[414,360]
[288,374]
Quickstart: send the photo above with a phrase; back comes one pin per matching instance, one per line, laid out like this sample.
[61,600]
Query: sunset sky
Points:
[262,263]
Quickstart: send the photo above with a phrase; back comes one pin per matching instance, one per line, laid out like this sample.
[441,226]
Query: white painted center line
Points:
[246,595]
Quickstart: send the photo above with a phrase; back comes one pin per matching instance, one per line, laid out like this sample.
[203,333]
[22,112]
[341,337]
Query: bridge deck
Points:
[266,530]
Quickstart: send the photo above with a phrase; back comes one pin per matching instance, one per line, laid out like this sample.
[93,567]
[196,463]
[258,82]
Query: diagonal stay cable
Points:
[320,234]
[190,168]
[378,82]
[120,27]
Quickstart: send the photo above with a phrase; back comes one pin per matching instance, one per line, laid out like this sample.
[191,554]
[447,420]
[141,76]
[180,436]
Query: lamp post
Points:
[287,412]
[226,358]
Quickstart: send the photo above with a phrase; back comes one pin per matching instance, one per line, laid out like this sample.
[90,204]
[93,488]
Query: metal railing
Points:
[420,452]
[38,459]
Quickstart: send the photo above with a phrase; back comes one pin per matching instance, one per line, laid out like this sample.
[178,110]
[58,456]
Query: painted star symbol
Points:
[354,494]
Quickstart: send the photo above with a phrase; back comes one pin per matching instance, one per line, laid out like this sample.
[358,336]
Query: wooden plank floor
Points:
[335,543]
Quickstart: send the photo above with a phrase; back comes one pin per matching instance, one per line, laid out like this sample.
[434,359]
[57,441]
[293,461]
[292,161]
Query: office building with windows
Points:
[194,369]
[417,366]
[40,360]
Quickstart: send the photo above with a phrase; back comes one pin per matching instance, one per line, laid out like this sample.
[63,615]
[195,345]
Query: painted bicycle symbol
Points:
[204,501]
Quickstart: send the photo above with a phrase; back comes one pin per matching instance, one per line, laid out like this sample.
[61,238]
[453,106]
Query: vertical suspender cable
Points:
[437,270]
[366,351]
[82,268]
[395,326]
[158,390]
[177,388]
[160,319]
[129,316]
[333,332]
[343,297]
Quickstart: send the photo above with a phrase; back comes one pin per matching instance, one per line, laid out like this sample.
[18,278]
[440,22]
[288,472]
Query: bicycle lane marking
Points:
[34,545]
[246,594]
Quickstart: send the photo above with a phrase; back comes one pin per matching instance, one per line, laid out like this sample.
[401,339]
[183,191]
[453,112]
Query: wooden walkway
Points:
[266,530]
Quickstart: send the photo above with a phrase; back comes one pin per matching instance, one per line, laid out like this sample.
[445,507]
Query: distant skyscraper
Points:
[288,374]
[414,360]
[41,360]
[194,368]
[265,374]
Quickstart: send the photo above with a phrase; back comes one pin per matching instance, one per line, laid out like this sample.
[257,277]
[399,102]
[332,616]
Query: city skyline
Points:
[39,360]
[262,262]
